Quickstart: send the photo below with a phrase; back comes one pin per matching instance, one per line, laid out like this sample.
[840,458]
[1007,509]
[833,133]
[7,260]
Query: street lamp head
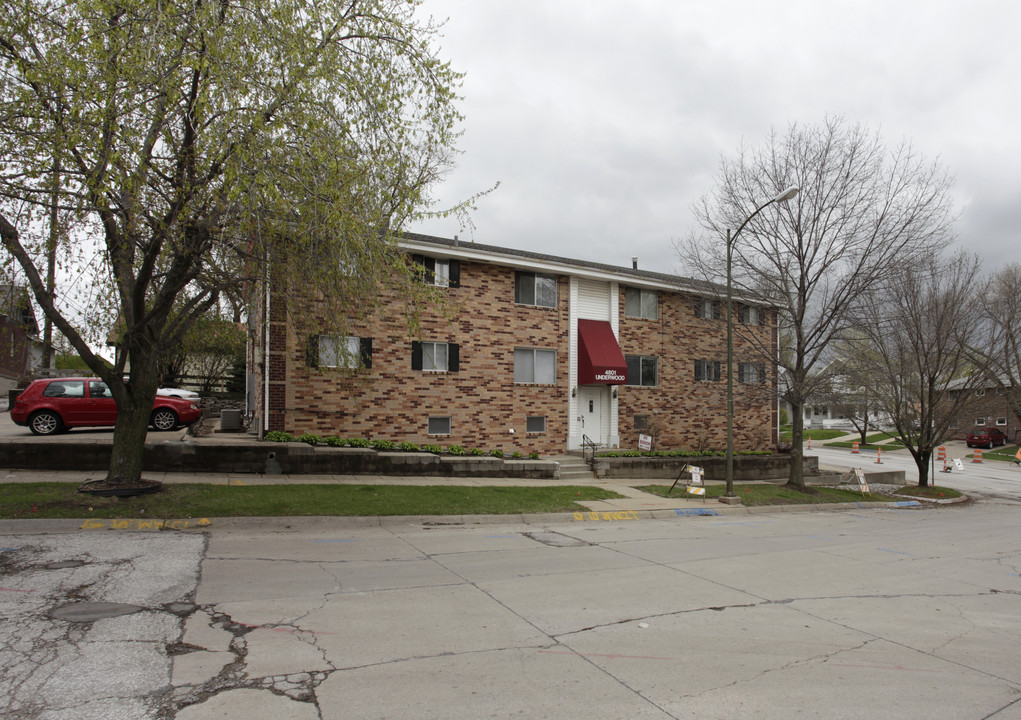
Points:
[787,194]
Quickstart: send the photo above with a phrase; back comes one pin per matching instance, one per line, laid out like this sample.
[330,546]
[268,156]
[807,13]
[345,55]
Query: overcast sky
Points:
[603,121]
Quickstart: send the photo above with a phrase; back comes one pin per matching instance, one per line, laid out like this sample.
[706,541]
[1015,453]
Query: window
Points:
[535,289]
[980,392]
[439,425]
[65,388]
[642,370]
[339,351]
[707,309]
[641,423]
[641,303]
[980,422]
[535,424]
[435,356]
[751,315]
[99,389]
[535,366]
[707,370]
[1001,421]
[751,372]
[439,272]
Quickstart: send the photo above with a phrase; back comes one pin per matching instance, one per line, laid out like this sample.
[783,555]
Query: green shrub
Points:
[277,436]
[334,441]
[455,449]
[384,445]
[533,456]
[309,439]
[496,453]
[408,447]
[359,443]
[434,449]
[516,455]
[476,452]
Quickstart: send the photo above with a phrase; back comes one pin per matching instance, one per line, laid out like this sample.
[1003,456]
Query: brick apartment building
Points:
[542,352]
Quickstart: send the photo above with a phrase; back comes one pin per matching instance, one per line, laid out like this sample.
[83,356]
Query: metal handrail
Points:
[588,450]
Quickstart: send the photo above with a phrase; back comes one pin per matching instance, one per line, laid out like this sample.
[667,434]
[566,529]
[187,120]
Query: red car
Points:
[985,437]
[53,405]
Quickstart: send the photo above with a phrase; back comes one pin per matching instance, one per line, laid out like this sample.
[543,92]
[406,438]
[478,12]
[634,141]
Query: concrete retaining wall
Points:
[270,458]
[746,467]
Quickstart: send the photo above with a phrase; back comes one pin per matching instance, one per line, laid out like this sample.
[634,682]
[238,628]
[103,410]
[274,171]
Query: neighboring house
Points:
[21,348]
[542,353]
[986,406]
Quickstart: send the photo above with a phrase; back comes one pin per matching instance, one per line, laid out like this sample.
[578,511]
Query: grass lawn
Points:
[62,500]
[817,434]
[769,494]
[1006,453]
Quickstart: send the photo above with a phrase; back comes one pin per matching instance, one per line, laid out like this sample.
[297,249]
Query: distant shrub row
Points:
[386,445]
[678,453]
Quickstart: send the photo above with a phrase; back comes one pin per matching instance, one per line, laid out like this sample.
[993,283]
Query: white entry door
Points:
[590,412]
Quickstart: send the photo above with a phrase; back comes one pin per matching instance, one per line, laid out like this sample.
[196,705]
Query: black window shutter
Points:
[312,351]
[716,311]
[742,372]
[366,352]
[455,273]
[699,370]
[453,357]
[716,370]
[762,373]
[762,316]
[742,313]
[416,355]
[699,310]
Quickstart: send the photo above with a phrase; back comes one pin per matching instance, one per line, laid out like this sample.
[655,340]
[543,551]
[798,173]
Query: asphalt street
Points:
[879,613]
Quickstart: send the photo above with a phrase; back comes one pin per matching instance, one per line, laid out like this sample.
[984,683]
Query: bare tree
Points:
[1000,351]
[861,213]
[851,387]
[921,327]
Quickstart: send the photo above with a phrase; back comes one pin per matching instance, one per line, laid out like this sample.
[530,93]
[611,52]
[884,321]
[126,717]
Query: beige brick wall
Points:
[393,402]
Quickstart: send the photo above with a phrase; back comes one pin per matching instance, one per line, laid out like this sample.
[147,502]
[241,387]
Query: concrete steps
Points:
[574,468]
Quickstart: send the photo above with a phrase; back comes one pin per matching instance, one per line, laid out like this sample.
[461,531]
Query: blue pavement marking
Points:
[9,549]
[688,512]
[895,552]
[908,503]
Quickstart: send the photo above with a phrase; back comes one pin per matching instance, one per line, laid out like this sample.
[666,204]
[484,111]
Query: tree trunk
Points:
[129,443]
[922,461]
[797,474]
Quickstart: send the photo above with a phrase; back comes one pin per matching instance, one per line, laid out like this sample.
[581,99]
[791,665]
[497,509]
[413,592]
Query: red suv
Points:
[985,437]
[53,405]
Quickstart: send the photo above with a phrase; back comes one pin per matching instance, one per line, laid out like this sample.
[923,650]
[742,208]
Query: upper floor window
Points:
[708,309]
[750,315]
[435,356]
[438,271]
[707,370]
[751,372]
[642,370]
[535,366]
[535,289]
[339,351]
[641,303]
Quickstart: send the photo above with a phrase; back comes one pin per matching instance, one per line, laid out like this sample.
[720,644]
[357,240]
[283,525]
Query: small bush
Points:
[533,456]
[277,436]
[309,439]
[475,452]
[455,449]
[408,447]
[516,455]
[434,449]
[359,443]
[334,441]
[496,453]
[384,445]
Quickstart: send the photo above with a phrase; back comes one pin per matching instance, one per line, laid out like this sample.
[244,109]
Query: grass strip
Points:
[758,494]
[62,500]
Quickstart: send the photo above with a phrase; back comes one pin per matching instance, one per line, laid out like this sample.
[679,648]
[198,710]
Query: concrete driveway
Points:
[886,613]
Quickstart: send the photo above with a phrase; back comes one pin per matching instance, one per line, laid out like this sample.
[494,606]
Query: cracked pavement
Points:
[837,614]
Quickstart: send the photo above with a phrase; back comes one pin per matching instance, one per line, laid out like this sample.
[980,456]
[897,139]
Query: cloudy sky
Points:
[603,121]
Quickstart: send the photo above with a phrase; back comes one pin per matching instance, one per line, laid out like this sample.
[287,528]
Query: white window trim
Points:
[536,432]
[426,355]
[534,352]
[350,359]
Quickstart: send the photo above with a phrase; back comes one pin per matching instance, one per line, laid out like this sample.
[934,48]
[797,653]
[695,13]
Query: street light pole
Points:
[786,195]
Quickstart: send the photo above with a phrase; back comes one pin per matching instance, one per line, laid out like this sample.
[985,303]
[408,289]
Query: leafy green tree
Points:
[191,143]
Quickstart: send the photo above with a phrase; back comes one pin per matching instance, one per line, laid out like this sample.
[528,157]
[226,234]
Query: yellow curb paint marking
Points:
[622,515]
[144,524]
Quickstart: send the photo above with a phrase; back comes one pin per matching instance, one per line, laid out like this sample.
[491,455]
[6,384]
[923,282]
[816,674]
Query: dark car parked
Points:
[985,437]
[53,405]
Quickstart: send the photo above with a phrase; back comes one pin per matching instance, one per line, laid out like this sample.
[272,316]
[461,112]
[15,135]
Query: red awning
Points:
[599,358]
